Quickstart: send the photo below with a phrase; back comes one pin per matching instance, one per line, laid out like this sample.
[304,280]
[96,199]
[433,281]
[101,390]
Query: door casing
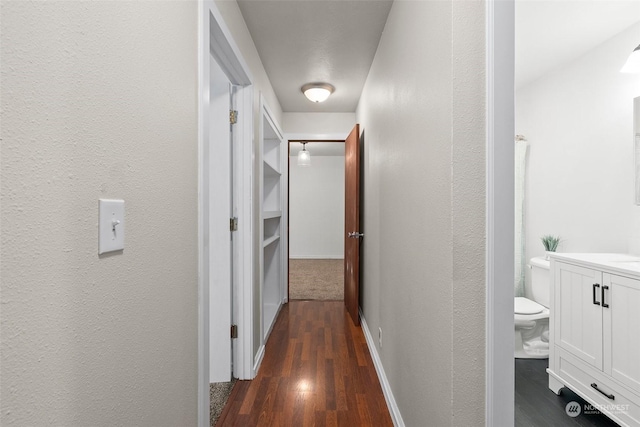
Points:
[499,210]
[287,181]
[214,40]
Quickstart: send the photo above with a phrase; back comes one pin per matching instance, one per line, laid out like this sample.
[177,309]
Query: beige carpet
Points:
[317,279]
[218,395]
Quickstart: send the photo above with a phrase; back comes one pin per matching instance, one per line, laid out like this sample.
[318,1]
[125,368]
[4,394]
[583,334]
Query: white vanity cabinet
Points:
[595,332]
[577,324]
[621,321]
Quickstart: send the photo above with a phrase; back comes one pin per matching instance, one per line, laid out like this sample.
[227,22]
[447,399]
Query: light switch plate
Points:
[111,225]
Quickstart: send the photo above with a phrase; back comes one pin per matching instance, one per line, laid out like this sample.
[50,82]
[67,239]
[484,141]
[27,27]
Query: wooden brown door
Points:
[353,234]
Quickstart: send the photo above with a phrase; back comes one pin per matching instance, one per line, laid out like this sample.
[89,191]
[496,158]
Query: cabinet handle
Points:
[604,288]
[608,396]
[595,286]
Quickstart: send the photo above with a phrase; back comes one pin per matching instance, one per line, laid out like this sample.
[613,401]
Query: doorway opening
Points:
[316,205]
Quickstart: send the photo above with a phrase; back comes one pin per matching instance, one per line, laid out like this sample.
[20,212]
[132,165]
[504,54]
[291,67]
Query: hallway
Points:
[317,370]
[140,329]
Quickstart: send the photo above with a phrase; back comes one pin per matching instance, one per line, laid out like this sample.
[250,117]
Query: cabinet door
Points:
[621,322]
[577,315]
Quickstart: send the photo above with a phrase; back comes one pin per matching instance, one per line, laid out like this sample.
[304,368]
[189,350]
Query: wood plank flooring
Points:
[317,371]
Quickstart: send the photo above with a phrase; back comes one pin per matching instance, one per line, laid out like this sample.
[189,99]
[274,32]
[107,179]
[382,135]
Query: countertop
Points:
[623,264]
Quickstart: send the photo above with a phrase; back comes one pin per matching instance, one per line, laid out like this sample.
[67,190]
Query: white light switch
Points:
[111,225]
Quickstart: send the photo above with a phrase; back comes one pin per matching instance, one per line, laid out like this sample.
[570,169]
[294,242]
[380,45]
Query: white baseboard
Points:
[258,360]
[260,355]
[396,417]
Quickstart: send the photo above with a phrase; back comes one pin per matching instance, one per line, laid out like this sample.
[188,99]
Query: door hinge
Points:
[234,331]
[233,116]
[233,224]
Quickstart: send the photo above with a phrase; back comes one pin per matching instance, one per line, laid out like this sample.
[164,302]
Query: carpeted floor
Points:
[218,396]
[316,279]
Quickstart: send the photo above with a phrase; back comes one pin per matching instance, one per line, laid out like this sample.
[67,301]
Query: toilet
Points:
[532,316]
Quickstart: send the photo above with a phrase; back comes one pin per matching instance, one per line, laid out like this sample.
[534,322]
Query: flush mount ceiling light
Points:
[317,92]
[304,157]
[633,63]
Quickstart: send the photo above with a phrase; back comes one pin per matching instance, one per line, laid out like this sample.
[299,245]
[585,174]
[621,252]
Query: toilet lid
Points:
[526,306]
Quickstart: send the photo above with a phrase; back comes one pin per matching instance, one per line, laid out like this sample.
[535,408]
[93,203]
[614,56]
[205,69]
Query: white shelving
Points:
[271,214]
[269,170]
[273,264]
[270,240]
[271,149]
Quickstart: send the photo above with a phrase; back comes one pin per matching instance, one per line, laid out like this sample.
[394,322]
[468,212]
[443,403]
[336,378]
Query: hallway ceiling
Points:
[302,41]
[552,33]
[334,41]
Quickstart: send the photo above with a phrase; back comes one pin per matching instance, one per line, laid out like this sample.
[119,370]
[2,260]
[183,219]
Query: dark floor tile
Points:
[537,406]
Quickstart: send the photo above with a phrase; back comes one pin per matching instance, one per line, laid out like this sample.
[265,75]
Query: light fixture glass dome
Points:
[633,63]
[304,157]
[317,92]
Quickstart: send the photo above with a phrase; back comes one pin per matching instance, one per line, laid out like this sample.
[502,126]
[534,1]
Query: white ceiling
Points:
[303,41]
[550,33]
[318,148]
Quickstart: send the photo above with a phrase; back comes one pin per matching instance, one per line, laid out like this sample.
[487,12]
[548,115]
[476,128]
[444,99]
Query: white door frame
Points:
[214,40]
[500,53]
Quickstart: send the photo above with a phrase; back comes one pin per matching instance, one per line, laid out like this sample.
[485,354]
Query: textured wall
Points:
[468,213]
[99,99]
[422,112]
[579,123]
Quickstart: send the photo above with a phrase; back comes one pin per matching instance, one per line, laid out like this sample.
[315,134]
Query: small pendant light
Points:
[304,157]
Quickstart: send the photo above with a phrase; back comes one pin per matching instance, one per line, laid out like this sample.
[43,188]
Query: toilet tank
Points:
[540,280]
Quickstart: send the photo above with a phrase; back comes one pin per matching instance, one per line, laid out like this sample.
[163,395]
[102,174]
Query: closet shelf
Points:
[272,193]
[271,214]
[271,240]
[270,170]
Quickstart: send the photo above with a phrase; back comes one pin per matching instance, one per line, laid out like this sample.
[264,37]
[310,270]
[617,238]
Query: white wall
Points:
[325,238]
[98,100]
[579,123]
[316,208]
[423,115]
[319,124]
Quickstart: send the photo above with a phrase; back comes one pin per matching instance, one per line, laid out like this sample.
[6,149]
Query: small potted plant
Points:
[550,243]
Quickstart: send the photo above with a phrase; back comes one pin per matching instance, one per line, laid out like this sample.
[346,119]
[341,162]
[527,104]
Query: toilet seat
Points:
[526,306]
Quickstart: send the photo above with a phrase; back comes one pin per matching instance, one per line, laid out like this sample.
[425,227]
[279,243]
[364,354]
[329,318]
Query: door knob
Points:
[355,234]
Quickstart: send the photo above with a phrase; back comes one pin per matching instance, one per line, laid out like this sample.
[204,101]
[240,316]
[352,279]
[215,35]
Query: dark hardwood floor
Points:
[537,406]
[317,371]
